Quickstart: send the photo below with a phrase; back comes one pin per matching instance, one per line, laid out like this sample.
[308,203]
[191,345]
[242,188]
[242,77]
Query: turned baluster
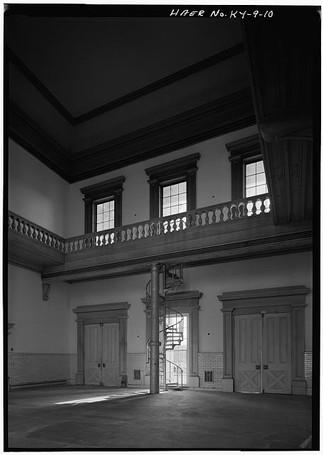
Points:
[221,216]
[181,224]
[30,231]
[234,212]
[19,226]
[207,218]
[213,218]
[262,206]
[254,208]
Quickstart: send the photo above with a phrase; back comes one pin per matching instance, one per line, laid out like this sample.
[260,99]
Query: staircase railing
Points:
[179,370]
[172,337]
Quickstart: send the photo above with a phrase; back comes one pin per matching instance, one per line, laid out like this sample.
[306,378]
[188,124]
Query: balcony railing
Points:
[32,230]
[226,212]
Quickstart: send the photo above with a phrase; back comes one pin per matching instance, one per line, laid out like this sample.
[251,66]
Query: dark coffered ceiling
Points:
[89,93]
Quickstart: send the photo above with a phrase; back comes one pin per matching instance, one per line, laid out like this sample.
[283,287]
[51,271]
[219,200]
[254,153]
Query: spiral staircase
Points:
[172,277]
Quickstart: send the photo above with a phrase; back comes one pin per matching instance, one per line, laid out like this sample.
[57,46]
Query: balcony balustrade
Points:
[226,212]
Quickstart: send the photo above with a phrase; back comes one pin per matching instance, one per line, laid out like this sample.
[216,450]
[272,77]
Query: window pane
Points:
[261,189]
[260,166]
[182,208]
[166,211]
[174,200]
[182,198]
[99,218]
[166,202]
[99,208]
[251,192]
[166,191]
[106,216]
[261,179]
[250,168]
[182,187]
[174,189]
[111,205]
[174,210]
[250,181]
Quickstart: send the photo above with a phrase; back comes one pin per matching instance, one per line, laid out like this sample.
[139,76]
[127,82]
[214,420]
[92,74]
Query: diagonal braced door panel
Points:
[247,353]
[276,353]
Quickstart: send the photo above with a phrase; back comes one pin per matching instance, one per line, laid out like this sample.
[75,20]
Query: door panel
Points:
[92,353]
[276,353]
[110,354]
[248,353]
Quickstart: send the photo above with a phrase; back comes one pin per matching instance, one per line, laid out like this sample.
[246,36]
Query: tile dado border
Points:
[37,368]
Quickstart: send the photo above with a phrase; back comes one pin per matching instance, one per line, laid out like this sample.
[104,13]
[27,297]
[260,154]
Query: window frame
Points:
[253,160]
[98,193]
[164,185]
[244,151]
[172,172]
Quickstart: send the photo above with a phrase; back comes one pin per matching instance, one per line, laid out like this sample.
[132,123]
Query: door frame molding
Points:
[290,299]
[187,302]
[97,314]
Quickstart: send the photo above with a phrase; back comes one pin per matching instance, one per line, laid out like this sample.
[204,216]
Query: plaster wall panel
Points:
[129,289]
[213,280]
[213,181]
[39,326]
[36,192]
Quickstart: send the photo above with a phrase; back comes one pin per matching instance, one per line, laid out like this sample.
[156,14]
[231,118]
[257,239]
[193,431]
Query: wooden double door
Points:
[101,354]
[262,353]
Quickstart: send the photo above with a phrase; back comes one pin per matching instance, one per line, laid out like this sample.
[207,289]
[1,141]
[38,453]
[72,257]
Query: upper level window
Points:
[173,186]
[104,215]
[174,198]
[255,178]
[248,176]
[103,205]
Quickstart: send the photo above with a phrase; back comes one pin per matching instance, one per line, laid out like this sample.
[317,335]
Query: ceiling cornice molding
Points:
[218,117]
[27,133]
[221,116]
[156,85]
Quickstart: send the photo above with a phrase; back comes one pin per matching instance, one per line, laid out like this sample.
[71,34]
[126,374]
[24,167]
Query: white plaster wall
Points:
[212,280]
[36,192]
[127,289]
[274,271]
[40,326]
[213,181]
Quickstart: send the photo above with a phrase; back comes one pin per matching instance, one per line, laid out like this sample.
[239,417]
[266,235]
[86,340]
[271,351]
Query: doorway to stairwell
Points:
[177,358]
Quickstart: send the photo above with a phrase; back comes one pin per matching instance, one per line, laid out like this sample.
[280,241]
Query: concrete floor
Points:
[83,417]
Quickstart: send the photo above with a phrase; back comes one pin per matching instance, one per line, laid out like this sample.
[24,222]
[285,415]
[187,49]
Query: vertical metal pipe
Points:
[154,358]
[164,346]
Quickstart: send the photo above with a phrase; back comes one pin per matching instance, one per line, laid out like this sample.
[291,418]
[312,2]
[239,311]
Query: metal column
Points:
[154,343]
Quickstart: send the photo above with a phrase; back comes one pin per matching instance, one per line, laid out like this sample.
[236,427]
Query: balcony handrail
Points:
[197,218]
[21,225]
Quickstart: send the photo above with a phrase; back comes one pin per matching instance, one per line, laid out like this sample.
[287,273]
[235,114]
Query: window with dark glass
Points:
[103,205]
